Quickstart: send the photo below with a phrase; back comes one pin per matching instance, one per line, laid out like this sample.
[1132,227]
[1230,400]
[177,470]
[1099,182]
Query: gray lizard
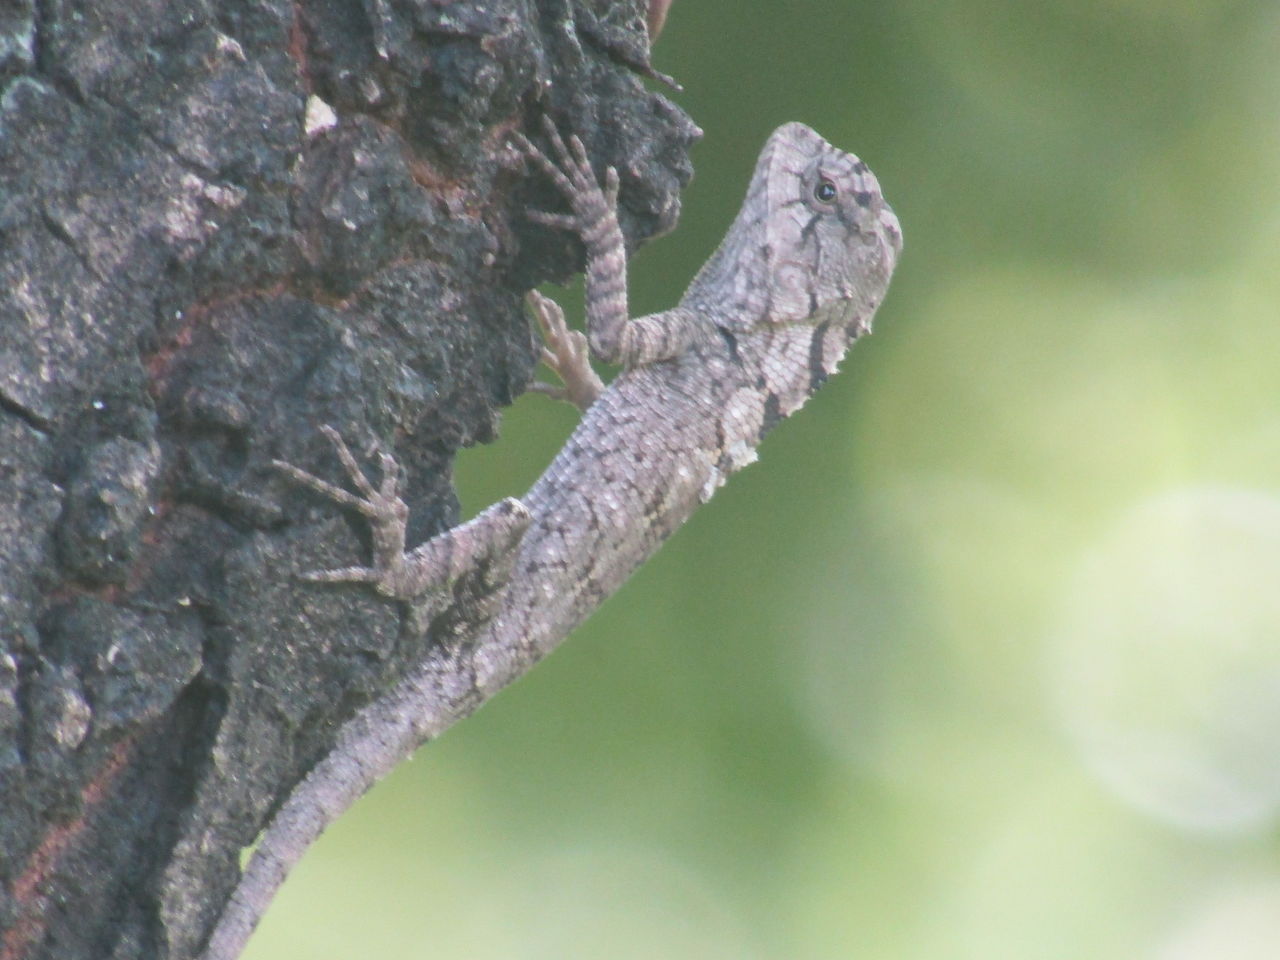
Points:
[767,319]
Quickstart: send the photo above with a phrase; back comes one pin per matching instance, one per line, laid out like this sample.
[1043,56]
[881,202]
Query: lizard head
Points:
[815,240]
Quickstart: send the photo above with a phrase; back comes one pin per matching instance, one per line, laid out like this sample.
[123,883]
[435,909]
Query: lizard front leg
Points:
[430,569]
[612,336]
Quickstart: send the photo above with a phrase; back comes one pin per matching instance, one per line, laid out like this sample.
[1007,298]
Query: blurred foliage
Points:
[983,659]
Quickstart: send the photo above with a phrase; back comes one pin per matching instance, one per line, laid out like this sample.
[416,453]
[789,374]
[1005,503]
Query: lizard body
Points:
[765,322]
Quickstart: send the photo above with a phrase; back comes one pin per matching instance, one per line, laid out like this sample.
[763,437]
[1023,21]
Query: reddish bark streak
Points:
[26,891]
[298,47]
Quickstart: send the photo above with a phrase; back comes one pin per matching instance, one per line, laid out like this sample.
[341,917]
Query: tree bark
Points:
[223,224]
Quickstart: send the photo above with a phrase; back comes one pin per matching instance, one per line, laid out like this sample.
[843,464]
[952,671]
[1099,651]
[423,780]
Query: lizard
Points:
[766,320]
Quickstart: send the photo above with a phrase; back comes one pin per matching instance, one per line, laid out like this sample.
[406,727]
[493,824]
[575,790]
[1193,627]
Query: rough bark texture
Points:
[199,263]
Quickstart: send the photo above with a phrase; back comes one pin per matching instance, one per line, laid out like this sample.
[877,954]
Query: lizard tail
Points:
[369,746]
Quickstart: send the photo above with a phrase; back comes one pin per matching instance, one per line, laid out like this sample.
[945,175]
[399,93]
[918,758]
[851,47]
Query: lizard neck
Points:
[775,369]
[789,362]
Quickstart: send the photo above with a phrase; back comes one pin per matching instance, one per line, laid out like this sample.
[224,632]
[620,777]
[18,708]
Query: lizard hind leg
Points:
[489,539]
[566,353]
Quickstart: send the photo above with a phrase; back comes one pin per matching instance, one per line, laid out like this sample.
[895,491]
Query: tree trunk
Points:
[223,224]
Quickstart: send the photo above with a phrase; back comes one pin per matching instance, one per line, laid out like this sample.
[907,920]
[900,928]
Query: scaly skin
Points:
[795,281]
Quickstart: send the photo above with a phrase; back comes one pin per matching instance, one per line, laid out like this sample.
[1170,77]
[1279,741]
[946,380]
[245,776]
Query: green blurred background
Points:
[983,659]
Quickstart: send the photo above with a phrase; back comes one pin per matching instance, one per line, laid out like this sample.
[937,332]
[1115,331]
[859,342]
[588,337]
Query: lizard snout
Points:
[891,230]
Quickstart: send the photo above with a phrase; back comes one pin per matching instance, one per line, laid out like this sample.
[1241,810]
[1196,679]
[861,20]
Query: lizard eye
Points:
[825,191]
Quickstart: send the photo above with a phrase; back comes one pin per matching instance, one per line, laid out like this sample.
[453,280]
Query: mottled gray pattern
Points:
[796,280]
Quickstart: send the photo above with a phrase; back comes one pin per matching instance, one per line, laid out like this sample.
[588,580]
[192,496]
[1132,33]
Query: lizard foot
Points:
[486,542]
[571,172]
[382,506]
[566,353]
